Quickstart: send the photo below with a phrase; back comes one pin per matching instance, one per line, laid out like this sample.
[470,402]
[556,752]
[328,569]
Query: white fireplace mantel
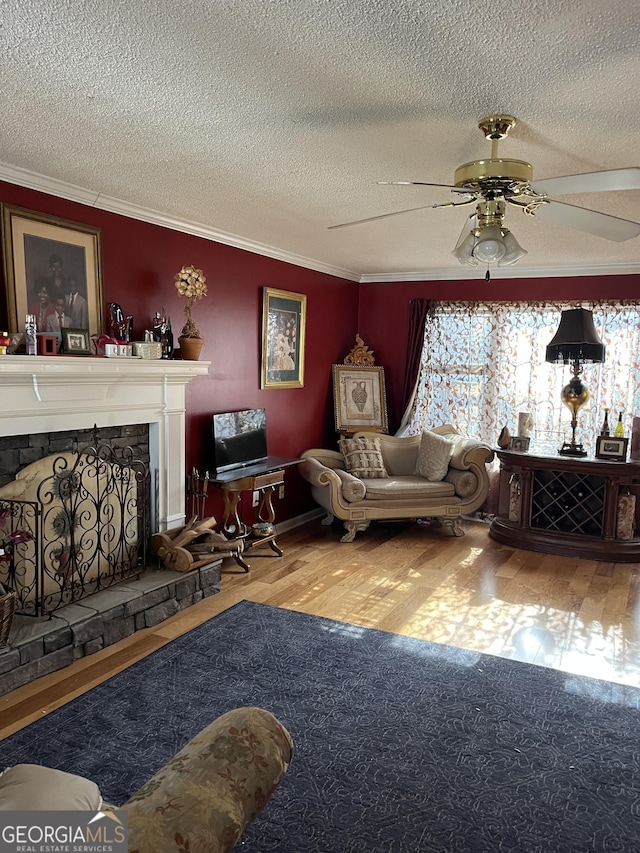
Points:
[55,393]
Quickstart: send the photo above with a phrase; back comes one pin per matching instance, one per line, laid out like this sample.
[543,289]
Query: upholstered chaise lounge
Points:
[439,474]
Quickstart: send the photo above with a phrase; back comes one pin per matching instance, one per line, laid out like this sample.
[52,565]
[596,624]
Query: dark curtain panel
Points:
[419,309]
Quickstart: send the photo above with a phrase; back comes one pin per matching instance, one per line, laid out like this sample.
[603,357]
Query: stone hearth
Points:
[39,646]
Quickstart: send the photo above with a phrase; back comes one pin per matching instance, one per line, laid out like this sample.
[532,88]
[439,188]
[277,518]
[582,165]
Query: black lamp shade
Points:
[576,338]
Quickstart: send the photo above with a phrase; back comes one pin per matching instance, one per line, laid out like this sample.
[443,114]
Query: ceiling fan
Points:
[494,183]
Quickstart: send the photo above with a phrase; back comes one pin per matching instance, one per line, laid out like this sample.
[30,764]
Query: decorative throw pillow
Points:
[30,787]
[433,456]
[362,457]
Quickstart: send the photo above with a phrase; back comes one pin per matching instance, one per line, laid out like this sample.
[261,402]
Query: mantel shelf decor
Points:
[191,282]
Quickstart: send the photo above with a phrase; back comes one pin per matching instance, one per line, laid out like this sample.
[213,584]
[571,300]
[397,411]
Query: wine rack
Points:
[566,506]
[568,502]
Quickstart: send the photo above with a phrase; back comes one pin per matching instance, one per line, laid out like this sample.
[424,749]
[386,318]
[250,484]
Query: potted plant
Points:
[191,283]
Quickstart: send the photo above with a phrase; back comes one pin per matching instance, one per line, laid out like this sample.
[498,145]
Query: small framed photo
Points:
[611,448]
[283,328]
[519,443]
[75,342]
[360,400]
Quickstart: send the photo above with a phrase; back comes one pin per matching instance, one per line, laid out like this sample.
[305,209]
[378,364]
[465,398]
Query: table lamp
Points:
[576,343]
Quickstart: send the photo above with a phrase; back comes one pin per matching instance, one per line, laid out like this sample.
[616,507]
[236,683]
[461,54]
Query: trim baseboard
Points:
[299,520]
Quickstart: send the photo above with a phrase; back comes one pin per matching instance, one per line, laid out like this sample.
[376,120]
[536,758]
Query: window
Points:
[483,363]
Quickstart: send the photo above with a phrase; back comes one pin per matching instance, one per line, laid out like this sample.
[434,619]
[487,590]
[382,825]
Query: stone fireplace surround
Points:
[59,393]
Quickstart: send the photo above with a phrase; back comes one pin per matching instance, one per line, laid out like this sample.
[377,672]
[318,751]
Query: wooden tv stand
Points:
[567,506]
[261,477]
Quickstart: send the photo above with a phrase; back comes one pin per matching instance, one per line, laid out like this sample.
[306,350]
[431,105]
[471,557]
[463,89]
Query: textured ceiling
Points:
[262,122]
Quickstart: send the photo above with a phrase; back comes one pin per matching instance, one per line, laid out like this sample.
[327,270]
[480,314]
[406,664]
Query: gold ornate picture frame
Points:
[360,400]
[283,333]
[42,251]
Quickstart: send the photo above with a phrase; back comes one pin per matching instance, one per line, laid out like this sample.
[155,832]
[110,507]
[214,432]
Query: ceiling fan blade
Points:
[590,182]
[424,184]
[598,224]
[382,216]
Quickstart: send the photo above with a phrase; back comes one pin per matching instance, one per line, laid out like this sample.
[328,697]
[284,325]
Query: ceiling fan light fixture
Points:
[490,248]
[492,183]
[514,251]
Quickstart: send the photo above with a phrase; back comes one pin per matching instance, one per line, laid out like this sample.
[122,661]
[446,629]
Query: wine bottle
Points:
[167,341]
[605,424]
[619,430]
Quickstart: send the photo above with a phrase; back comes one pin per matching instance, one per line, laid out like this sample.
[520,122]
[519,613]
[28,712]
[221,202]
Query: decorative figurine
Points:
[120,327]
[162,333]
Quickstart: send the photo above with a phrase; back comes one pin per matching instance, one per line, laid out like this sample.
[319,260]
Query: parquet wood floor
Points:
[576,615]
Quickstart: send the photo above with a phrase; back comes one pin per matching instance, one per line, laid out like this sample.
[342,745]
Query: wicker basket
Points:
[147,349]
[8,603]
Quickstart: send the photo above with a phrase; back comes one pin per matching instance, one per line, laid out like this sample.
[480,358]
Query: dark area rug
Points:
[401,744]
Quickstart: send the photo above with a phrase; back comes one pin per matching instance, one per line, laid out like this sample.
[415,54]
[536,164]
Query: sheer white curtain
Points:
[484,363]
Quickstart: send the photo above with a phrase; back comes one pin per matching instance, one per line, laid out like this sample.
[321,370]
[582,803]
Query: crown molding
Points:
[81,195]
[512,272]
[44,184]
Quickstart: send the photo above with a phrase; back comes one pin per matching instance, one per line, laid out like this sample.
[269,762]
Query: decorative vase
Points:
[503,438]
[191,348]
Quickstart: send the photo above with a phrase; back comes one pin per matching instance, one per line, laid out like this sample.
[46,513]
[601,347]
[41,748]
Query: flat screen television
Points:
[239,438]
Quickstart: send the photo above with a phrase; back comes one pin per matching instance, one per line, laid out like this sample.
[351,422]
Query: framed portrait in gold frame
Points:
[283,331]
[48,258]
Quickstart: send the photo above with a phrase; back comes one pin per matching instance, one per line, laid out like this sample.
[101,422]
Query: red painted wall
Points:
[139,263]
[384,312]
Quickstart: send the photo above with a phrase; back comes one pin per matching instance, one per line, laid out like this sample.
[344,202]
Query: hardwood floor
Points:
[575,615]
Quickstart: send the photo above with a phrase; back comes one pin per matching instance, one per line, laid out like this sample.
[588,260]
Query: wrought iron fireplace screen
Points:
[73,524]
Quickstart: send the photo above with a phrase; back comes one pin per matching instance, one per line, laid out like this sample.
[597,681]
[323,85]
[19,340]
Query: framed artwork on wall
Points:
[360,401]
[48,260]
[283,331]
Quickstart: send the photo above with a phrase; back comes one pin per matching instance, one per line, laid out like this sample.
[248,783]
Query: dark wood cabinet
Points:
[574,507]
